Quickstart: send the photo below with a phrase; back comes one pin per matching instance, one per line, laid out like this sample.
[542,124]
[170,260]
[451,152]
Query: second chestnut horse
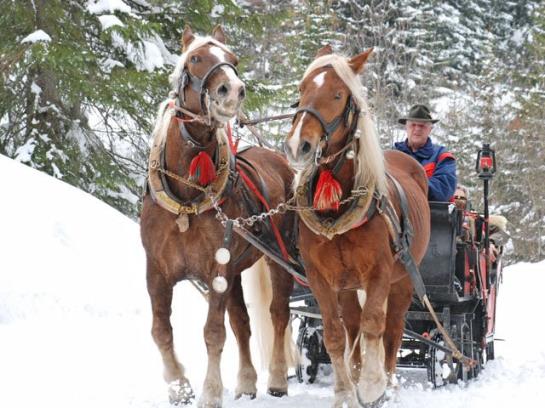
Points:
[346,239]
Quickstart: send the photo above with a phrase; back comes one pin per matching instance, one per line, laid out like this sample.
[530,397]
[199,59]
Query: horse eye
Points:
[338,95]
[195,59]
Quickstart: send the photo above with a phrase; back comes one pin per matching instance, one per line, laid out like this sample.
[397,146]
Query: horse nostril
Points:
[222,90]
[305,148]
[242,93]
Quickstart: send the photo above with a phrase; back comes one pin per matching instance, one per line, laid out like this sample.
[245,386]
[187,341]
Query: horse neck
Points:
[179,153]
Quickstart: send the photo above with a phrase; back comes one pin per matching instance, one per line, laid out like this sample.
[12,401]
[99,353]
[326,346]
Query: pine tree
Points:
[80,102]
[77,103]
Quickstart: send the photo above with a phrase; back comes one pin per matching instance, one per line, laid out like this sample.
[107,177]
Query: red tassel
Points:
[202,169]
[328,192]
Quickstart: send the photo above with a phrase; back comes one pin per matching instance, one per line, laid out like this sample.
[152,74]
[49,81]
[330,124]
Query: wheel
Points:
[440,367]
[308,343]
[470,346]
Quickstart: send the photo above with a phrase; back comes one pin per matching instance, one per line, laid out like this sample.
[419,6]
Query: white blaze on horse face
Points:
[232,77]
[218,52]
[319,79]
[293,143]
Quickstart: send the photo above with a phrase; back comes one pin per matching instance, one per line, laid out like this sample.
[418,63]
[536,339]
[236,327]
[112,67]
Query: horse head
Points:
[327,110]
[206,79]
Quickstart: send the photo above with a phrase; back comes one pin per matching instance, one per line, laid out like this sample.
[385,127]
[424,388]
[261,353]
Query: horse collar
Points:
[361,210]
[161,193]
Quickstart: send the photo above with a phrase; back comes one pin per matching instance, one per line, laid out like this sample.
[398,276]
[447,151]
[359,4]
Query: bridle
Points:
[330,127]
[199,84]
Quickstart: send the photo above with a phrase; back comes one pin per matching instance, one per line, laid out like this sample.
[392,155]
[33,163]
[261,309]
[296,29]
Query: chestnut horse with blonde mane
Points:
[346,240]
[193,171]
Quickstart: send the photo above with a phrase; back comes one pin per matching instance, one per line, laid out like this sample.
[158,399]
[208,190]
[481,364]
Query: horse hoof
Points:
[276,392]
[252,395]
[180,393]
[373,404]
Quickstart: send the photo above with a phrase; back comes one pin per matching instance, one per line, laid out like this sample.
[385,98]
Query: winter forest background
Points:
[81,82]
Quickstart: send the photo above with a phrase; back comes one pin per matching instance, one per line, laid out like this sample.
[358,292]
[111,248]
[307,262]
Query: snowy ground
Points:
[75,319]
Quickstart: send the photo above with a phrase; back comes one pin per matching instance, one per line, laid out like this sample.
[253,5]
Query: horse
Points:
[195,175]
[346,186]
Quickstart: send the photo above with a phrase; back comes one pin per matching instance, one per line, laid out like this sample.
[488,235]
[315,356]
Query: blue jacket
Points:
[440,167]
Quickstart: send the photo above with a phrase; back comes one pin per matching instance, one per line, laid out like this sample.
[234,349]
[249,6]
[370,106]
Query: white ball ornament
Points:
[350,154]
[219,283]
[223,256]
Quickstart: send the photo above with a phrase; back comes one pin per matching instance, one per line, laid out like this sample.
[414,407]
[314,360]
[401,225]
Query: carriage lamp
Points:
[486,162]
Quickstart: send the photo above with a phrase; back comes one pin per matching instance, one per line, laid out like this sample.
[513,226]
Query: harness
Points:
[229,170]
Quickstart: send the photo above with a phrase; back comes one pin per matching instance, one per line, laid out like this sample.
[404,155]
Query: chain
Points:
[281,208]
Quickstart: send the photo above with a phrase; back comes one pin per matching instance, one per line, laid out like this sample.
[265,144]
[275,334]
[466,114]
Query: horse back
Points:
[412,177]
[273,170]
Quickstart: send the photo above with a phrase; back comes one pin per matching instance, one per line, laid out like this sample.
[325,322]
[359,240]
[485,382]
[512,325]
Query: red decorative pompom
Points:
[328,192]
[202,169]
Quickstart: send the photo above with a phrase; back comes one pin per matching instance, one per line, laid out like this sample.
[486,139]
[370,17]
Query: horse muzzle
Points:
[303,156]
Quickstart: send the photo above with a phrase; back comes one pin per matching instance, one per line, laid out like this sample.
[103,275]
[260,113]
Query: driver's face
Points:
[418,133]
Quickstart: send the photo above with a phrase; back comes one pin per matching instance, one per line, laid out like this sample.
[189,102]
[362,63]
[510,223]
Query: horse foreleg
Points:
[282,285]
[335,341]
[214,336]
[240,323]
[399,300]
[372,381]
[351,315]
[160,292]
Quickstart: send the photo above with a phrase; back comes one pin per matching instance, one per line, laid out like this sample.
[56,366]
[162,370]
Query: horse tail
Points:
[257,287]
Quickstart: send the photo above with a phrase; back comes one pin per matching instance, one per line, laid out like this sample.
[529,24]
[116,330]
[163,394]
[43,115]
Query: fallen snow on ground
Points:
[75,318]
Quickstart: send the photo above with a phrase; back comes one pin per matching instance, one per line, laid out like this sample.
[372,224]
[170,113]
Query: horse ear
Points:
[357,62]
[218,34]
[325,50]
[187,38]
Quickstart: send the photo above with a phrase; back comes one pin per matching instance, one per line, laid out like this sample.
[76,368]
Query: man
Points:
[439,164]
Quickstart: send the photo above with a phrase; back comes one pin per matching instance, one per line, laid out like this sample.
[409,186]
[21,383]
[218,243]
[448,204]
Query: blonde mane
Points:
[164,115]
[370,169]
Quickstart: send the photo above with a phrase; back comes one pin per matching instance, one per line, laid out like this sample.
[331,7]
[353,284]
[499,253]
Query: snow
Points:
[38,35]
[109,20]
[146,55]
[24,152]
[217,11]
[75,317]
[100,6]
